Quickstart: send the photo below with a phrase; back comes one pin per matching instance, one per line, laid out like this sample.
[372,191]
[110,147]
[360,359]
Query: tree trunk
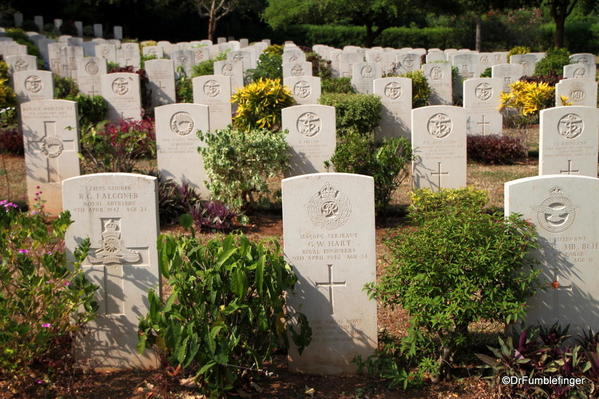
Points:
[560,22]
[478,36]
[369,36]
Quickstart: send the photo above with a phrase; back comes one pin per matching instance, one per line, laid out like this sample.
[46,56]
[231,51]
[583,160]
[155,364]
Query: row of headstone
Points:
[39,22]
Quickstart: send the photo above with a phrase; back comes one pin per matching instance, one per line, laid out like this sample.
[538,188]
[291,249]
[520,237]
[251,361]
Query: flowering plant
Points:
[43,302]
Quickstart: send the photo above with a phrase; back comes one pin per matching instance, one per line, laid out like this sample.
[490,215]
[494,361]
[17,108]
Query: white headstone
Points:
[564,210]
[568,141]
[508,73]
[51,147]
[232,69]
[528,62]
[396,110]
[98,30]
[439,147]
[33,85]
[38,20]
[18,19]
[300,68]
[18,63]
[118,32]
[106,51]
[312,137]
[214,91]
[177,143]
[438,76]
[152,51]
[305,89]
[363,76]
[578,71]
[578,92]
[329,236]
[183,59]
[89,71]
[129,55]
[79,28]
[57,23]
[122,94]
[161,77]
[118,213]
[481,102]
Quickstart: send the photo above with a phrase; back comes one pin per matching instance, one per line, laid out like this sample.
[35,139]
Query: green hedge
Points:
[359,112]
[440,37]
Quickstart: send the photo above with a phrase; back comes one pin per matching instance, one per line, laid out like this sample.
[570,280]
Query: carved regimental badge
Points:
[181,123]
[33,83]
[570,126]
[302,89]
[577,95]
[52,147]
[227,69]
[483,91]
[297,70]
[211,88]
[308,124]
[329,208]
[113,249]
[408,61]
[556,213]
[367,71]
[20,65]
[435,73]
[439,125]
[393,90]
[91,67]
[120,86]
[579,73]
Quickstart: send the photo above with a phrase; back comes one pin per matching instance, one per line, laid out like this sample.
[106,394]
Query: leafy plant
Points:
[453,270]
[184,89]
[226,314]
[495,149]
[518,50]
[45,302]
[421,91]
[213,216]
[426,204]
[320,66]
[337,85]
[386,162]
[540,351]
[11,142]
[115,147]
[239,164]
[91,109]
[64,88]
[269,67]
[359,112]
[259,105]
[207,67]
[553,63]
[487,73]
[528,99]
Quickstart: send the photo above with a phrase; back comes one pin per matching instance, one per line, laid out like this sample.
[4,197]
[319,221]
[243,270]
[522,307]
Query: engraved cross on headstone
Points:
[438,173]
[49,147]
[483,123]
[331,284]
[105,265]
[569,171]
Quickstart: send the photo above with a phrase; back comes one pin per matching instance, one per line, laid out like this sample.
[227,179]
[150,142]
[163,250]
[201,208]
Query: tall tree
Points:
[560,9]
[214,10]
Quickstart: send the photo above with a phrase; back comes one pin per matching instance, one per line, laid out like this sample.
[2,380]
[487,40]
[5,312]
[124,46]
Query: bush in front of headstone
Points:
[91,109]
[387,162]
[527,99]
[421,91]
[457,267]
[116,147]
[553,63]
[64,88]
[494,149]
[45,302]
[337,85]
[259,105]
[359,112]
[240,163]
[518,50]
[226,314]
[207,67]
[545,352]
[269,67]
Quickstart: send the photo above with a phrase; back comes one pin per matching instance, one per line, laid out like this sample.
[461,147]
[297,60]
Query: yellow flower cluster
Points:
[259,104]
[528,97]
[7,95]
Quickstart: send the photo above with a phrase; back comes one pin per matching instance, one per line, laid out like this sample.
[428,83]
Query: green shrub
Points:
[427,204]
[226,314]
[274,49]
[427,37]
[541,351]
[259,105]
[19,36]
[453,270]
[4,70]
[320,66]
[91,109]
[386,162]
[207,67]
[518,50]
[44,301]
[239,164]
[360,112]
[553,63]
[494,149]
[421,91]
[184,89]
[269,67]
[337,85]
[64,88]
[487,73]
